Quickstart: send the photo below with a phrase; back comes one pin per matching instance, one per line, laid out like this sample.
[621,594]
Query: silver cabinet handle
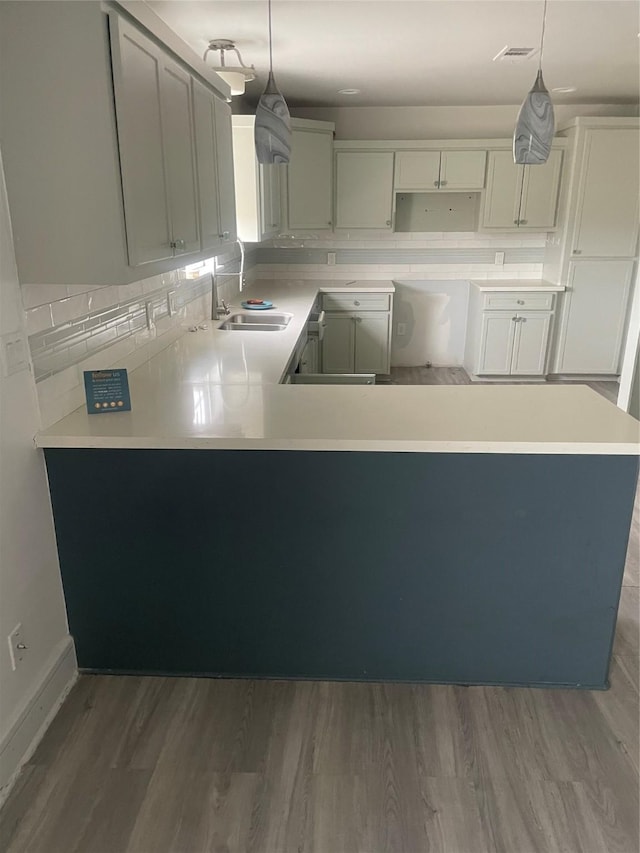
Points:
[520,301]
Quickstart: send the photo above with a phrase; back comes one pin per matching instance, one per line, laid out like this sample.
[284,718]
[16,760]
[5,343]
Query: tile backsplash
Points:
[382,254]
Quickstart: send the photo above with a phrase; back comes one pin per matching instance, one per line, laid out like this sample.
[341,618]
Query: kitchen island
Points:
[231,525]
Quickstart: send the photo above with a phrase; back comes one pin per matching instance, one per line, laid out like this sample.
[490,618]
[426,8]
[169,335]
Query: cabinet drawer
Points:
[519,301]
[356,301]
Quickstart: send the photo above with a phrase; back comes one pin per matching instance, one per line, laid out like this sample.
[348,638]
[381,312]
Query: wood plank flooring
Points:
[185,765]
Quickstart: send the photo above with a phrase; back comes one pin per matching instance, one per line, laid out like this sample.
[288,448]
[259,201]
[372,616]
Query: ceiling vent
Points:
[515,54]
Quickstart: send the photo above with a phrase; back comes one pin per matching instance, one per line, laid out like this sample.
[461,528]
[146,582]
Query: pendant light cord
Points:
[544,21]
[271,39]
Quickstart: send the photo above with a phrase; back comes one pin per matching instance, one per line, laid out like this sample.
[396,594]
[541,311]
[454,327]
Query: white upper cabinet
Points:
[137,77]
[434,170]
[214,156]
[179,146]
[417,170]
[607,203]
[522,197]
[224,163]
[257,188]
[364,189]
[156,143]
[540,185]
[310,176]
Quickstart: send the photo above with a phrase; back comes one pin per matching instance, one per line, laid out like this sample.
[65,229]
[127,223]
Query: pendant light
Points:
[535,127]
[273,123]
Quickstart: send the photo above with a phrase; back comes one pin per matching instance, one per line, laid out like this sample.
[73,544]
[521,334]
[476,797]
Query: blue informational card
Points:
[107,391]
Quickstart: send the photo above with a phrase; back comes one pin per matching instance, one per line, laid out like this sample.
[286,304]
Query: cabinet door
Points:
[496,343]
[607,219]
[594,316]
[136,63]
[309,358]
[462,170]
[177,126]
[338,344]
[417,170]
[364,189]
[224,167]
[204,119]
[530,344]
[502,196]
[540,189]
[270,199]
[310,180]
[372,342]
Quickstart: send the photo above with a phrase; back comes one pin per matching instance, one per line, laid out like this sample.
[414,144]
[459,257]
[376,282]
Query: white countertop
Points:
[536,285]
[212,389]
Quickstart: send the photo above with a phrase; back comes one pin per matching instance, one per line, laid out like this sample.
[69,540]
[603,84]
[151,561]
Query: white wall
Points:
[30,585]
[487,122]
[435,316]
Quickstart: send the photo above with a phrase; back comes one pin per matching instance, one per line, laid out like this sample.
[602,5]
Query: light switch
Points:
[15,355]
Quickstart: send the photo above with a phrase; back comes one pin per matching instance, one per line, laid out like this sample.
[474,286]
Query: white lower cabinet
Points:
[512,341]
[593,317]
[356,341]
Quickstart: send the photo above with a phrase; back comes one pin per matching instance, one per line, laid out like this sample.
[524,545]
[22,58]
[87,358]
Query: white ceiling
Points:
[422,52]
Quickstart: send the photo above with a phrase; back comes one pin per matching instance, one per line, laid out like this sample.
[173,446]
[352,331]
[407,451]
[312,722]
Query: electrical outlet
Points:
[331,259]
[401,329]
[499,259]
[17,646]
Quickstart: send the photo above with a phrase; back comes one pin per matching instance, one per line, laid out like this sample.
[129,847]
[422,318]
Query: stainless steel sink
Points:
[266,322]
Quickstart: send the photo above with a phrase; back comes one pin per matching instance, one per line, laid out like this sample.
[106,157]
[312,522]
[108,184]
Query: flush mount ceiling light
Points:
[535,127]
[273,124]
[348,91]
[236,76]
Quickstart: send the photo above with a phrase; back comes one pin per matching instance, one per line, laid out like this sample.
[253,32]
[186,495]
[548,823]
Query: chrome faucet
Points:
[223,309]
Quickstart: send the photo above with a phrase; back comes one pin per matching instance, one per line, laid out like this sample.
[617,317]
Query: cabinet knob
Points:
[388,222]
[515,319]
[178,245]
[516,222]
[329,222]
[436,183]
[443,183]
[577,251]
[355,302]
[523,222]
[358,319]
[520,301]
[224,235]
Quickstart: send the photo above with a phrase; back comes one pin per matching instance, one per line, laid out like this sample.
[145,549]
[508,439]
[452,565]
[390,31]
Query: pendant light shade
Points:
[535,126]
[273,123]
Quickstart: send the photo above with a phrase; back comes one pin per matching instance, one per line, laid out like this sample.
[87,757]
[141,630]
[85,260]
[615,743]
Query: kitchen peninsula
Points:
[232,525]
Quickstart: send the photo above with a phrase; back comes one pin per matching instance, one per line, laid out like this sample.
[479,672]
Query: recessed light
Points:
[348,91]
[564,90]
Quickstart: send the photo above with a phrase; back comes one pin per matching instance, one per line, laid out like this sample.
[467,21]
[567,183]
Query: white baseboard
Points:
[20,742]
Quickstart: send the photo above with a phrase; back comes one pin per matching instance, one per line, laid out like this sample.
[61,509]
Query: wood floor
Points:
[155,765]
[458,376]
